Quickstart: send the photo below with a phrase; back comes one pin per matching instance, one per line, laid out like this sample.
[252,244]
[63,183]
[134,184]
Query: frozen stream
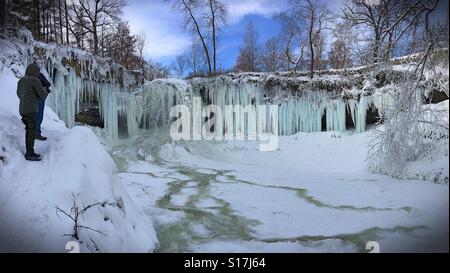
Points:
[312,195]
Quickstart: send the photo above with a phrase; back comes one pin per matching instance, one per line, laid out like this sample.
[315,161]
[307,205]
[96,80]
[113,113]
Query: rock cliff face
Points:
[91,117]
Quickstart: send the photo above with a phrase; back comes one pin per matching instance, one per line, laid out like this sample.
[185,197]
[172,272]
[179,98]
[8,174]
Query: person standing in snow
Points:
[30,91]
[41,105]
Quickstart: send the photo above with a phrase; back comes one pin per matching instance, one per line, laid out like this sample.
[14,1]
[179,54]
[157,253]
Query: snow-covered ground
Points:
[314,194]
[76,167]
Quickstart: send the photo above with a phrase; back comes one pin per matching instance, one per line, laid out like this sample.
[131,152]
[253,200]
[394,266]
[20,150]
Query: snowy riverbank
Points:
[74,164]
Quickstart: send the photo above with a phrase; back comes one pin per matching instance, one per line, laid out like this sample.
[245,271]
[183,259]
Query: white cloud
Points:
[162,26]
[240,8]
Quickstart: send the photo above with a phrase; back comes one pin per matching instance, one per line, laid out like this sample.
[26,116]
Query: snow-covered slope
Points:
[75,168]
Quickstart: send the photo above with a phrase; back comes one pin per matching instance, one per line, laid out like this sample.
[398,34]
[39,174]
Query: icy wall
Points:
[302,106]
[306,110]
[334,100]
[83,81]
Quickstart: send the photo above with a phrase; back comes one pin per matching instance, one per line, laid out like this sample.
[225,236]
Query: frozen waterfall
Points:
[149,106]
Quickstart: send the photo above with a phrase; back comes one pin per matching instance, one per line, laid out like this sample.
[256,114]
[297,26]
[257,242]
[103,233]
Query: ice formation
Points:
[82,82]
[328,103]
[331,101]
[149,106]
[306,111]
[71,94]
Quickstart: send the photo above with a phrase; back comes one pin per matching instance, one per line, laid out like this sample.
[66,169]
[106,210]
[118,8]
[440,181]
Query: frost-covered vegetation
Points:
[413,131]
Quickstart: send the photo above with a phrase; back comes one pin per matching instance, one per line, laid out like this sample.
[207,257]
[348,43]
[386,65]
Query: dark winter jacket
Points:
[30,90]
[45,83]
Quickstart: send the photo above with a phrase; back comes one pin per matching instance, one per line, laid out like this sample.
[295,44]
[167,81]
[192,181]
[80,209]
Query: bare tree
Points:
[339,55]
[205,18]
[140,44]
[77,23]
[388,22]
[67,24]
[295,39]
[179,66]
[97,13]
[317,18]
[303,26]
[249,53]
[411,129]
[216,18]
[155,70]
[272,56]
[418,41]
[121,46]
[190,9]
[319,49]
[196,63]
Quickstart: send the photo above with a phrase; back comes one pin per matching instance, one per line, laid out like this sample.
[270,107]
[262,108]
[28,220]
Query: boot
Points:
[40,137]
[32,157]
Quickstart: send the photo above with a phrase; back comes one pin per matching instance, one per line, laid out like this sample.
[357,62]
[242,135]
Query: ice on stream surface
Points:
[314,194]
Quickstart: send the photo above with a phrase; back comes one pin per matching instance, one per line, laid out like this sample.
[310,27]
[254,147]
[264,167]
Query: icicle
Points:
[361,115]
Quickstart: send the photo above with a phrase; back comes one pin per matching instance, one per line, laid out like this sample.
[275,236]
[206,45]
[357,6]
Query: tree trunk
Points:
[205,47]
[36,19]
[94,28]
[67,21]
[390,48]
[61,33]
[2,12]
[95,34]
[53,22]
[44,26]
[214,35]
[48,24]
[376,49]
[311,47]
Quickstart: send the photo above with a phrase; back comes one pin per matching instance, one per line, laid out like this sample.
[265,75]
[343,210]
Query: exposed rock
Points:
[91,117]
[372,117]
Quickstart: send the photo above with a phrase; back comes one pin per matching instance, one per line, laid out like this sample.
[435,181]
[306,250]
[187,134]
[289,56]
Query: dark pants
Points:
[30,129]
[40,116]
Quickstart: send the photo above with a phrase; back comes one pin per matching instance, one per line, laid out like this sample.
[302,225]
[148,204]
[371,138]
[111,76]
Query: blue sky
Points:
[167,38]
[232,36]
